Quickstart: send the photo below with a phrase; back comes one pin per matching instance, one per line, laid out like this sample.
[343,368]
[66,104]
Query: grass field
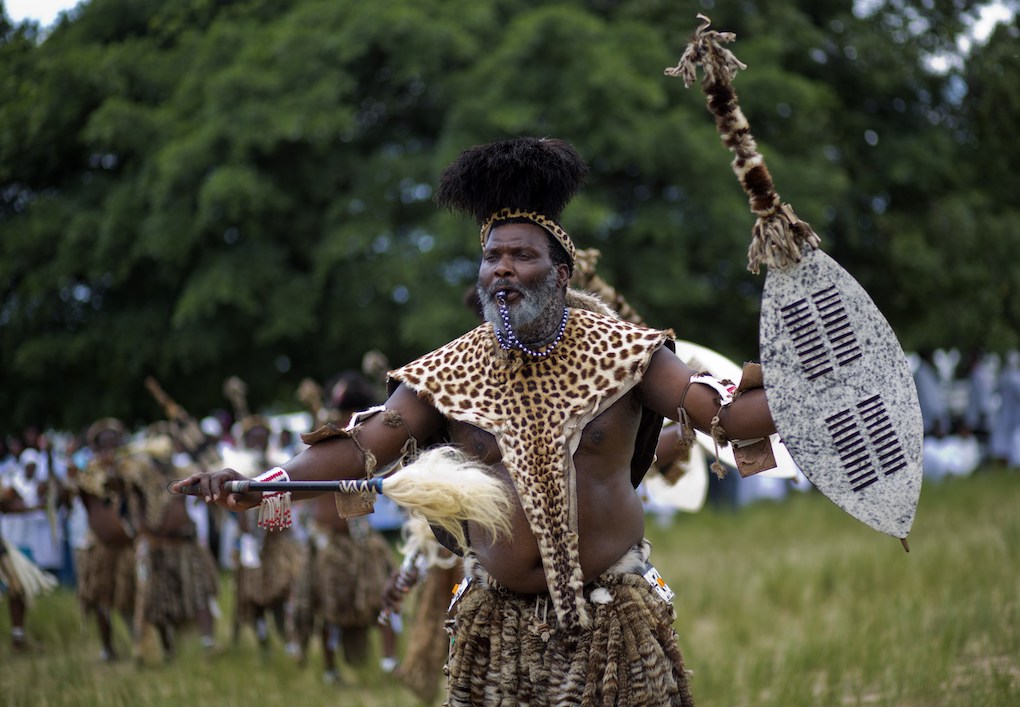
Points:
[790,603]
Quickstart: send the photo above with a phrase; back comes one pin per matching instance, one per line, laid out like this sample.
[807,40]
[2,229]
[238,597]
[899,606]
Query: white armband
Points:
[725,388]
[274,510]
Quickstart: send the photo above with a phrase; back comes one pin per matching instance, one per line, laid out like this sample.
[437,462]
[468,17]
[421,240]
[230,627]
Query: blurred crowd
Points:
[91,510]
[970,407]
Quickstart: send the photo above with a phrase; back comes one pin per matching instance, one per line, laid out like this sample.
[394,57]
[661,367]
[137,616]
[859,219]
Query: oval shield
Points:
[841,392]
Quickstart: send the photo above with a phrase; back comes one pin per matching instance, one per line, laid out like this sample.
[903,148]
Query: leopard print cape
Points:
[537,409]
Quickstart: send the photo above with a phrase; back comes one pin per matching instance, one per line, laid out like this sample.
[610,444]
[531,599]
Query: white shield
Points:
[841,393]
[690,490]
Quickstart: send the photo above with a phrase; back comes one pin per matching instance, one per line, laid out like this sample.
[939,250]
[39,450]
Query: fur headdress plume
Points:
[519,178]
[522,174]
[106,424]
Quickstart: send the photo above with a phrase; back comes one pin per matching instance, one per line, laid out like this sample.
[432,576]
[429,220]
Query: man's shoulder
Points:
[594,323]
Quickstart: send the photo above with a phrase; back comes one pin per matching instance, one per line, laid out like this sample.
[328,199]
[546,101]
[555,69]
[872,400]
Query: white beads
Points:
[512,342]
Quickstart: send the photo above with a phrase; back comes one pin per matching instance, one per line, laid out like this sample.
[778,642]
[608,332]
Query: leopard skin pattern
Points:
[536,408]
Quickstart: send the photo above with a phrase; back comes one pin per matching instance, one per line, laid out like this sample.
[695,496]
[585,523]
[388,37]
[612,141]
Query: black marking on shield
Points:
[866,442]
[841,392]
[822,333]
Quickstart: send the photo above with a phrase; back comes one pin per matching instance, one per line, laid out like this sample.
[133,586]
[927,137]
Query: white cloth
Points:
[78,525]
[931,398]
[31,531]
[980,408]
[950,455]
[1004,442]
[198,511]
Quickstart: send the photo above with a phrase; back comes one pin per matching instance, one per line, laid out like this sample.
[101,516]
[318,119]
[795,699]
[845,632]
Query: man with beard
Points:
[564,402]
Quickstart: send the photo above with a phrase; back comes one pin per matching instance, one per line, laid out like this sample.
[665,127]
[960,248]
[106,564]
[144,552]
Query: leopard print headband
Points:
[548,224]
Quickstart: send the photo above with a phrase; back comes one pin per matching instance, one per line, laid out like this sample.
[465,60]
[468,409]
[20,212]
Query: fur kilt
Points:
[176,578]
[280,561]
[507,650]
[106,576]
[349,574]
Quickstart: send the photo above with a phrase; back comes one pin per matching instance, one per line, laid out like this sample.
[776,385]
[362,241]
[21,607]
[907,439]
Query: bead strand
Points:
[511,341]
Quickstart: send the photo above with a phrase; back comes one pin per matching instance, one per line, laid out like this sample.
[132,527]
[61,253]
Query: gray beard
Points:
[535,317]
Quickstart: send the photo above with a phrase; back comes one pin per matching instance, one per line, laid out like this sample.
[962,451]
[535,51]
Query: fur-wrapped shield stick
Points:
[838,384]
[442,484]
[185,430]
[779,236]
[585,277]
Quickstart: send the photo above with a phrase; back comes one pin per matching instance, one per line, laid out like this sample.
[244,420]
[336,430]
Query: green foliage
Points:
[204,188]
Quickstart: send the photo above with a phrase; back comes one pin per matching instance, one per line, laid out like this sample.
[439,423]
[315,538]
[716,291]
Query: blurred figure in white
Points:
[956,454]
[979,371]
[31,529]
[1004,443]
[930,395]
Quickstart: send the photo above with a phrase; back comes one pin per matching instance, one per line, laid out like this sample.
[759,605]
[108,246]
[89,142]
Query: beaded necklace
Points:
[511,341]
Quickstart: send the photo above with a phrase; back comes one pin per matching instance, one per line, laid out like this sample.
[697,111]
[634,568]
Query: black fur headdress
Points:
[529,174]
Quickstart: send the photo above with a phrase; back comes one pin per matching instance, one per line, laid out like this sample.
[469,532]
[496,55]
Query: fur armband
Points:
[327,431]
[348,505]
[751,377]
[353,505]
[752,455]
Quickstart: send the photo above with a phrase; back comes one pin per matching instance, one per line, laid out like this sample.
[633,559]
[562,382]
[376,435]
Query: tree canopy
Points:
[206,188]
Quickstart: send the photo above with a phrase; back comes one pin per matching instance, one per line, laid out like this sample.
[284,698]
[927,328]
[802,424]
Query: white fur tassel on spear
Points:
[443,484]
[21,576]
[779,236]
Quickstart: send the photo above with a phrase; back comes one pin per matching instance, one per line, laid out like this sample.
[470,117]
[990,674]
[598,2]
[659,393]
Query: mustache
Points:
[502,286]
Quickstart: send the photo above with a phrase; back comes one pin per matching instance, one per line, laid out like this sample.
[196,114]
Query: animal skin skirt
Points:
[506,649]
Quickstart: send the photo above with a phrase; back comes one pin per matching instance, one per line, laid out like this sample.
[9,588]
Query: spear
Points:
[442,484]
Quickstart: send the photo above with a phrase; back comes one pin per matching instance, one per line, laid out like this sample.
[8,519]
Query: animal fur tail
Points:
[22,577]
[448,488]
[778,237]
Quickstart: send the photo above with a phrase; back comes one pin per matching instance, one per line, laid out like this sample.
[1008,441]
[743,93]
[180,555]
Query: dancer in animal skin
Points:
[348,563]
[106,563]
[176,578]
[565,405]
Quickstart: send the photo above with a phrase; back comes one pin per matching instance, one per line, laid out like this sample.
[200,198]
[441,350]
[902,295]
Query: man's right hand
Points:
[212,487]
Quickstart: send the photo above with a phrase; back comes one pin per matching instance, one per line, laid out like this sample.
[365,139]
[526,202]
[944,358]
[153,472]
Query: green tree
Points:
[205,188]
